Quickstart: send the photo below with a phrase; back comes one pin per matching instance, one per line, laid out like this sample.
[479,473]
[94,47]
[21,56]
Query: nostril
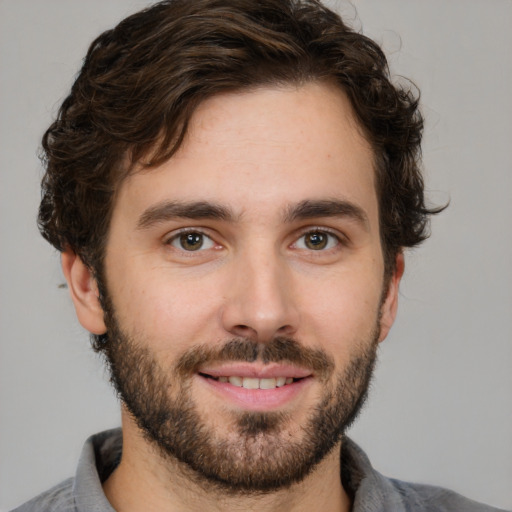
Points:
[248,331]
[244,331]
[287,330]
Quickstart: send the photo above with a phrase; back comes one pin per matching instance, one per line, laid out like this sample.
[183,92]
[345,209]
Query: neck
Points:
[144,480]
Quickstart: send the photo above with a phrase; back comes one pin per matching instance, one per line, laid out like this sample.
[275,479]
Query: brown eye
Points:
[191,241]
[317,241]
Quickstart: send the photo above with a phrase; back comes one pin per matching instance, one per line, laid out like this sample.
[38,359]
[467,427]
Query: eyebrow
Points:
[311,209]
[168,210]
[200,210]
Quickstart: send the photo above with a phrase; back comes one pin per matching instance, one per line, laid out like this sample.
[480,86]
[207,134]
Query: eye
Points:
[317,241]
[191,241]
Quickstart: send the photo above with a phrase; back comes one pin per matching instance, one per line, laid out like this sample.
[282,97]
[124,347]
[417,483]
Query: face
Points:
[245,287]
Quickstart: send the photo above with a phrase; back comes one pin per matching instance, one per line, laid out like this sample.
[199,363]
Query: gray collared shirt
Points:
[371,491]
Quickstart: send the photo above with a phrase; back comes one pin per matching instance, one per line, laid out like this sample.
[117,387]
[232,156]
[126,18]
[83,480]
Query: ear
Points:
[390,304]
[84,292]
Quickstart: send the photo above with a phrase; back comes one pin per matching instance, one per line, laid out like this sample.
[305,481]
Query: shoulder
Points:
[374,492]
[428,498]
[57,499]
[100,455]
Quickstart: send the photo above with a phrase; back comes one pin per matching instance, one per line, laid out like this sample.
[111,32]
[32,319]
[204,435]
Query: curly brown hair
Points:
[141,82]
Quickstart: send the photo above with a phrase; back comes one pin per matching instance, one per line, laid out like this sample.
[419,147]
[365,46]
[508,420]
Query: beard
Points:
[256,452]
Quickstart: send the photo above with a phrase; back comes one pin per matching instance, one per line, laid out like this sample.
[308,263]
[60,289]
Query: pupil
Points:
[191,241]
[316,241]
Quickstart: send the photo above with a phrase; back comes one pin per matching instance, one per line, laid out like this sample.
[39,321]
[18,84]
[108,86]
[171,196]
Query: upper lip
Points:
[254,370]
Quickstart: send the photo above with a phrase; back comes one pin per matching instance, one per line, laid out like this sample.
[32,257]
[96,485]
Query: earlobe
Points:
[390,304]
[84,292]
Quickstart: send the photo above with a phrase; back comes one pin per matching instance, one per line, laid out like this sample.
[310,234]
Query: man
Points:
[232,185]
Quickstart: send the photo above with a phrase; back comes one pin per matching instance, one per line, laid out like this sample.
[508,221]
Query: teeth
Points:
[250,383]
[280,381]
[267,383]
[236,381]
[255,383]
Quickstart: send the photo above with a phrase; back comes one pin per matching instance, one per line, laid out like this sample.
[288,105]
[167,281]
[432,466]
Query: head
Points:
[188,110]
[142,81]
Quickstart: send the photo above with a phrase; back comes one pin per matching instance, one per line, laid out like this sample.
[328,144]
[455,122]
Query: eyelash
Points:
[339,240]
[189,231]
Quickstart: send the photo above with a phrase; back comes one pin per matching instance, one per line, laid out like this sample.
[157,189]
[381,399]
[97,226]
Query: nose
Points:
[260,303]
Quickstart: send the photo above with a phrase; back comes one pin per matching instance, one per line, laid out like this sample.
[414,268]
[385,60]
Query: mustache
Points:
[279,350]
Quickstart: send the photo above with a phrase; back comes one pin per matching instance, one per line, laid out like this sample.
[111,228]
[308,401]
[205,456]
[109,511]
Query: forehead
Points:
[264,148]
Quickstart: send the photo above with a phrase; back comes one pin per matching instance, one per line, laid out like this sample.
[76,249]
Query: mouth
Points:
[256,387]
[253,382]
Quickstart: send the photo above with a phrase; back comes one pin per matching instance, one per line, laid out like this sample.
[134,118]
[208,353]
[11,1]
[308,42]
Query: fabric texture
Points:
[371,491]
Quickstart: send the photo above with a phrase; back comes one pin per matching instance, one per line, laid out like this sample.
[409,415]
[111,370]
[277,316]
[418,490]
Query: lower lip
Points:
[257,399]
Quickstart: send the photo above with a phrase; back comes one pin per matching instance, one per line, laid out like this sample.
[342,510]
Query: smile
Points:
[253,382]
[249,386]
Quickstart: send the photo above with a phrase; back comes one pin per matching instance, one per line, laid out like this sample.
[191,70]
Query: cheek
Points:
[341,312]
[170,313]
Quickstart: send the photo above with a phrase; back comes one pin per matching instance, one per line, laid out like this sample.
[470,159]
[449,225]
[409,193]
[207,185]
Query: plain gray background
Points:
[440,410]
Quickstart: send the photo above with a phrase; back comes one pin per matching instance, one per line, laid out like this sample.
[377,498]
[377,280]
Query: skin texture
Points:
[259,156]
